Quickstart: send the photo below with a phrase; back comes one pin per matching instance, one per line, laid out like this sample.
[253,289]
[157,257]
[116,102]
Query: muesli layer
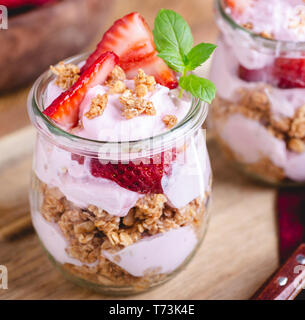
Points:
[91,234]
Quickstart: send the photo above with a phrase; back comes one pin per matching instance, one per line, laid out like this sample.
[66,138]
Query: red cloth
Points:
[291,209]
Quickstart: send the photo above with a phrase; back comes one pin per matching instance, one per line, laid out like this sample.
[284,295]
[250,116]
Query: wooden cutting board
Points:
[237,256]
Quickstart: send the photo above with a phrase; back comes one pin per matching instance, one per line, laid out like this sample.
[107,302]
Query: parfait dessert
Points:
[259,70]
[121,174]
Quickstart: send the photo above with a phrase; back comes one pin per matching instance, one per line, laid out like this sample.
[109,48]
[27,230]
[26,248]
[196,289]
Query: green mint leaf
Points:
[199,54]
[200,88]
[174,62]
[173,35]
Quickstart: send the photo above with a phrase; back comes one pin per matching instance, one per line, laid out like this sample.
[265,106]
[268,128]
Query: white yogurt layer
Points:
[55,167]
[163,253]
[54,241]
[281,18]
[188,180]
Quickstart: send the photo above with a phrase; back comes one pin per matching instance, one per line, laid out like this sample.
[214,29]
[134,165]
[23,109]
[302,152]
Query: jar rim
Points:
[193,121]
[283,45]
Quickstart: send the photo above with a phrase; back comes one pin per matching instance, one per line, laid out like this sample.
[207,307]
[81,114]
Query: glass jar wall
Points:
[107,237]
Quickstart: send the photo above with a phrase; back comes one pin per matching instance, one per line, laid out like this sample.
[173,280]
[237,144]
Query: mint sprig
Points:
[174,42]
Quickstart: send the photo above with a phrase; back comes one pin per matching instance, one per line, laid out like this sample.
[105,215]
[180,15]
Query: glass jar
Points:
[101,235]
[258,116]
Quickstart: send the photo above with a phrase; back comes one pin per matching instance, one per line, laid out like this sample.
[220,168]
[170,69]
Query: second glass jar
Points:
[258,116]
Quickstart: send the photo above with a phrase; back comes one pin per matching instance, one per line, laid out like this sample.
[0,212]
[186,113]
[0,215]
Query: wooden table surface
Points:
[240,250]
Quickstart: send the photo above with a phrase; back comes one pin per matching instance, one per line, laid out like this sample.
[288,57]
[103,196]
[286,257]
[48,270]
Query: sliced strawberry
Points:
[285,73]
[154,66]
[65,109]
[132,40]
[290,73]
[142,177]
[129,37]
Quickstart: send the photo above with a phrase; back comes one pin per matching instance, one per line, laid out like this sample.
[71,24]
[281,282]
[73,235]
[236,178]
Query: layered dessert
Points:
[259,69]
[112,206]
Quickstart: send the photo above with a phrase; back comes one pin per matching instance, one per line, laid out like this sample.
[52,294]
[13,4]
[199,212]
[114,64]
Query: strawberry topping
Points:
[65,109]
[142,176]
[132,40]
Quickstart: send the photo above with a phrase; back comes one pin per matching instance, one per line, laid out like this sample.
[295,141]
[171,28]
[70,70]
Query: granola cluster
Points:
[115,81]
[134,103]
[90,230]
[97,107]
[170,120]
[66,74]
[134,106]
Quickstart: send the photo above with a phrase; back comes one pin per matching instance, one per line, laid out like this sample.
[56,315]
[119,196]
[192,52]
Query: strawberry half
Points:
[132,40]
[142,177]
[65,109]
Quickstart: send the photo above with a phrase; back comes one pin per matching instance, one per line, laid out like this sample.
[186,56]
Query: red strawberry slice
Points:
[129,37]
[132,40]
[65,109]
[290,73]
[154,66]
[285,73]
[22,3]
[142,177]
[256,75]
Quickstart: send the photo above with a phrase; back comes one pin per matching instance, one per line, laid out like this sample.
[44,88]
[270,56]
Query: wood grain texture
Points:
[237,256]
